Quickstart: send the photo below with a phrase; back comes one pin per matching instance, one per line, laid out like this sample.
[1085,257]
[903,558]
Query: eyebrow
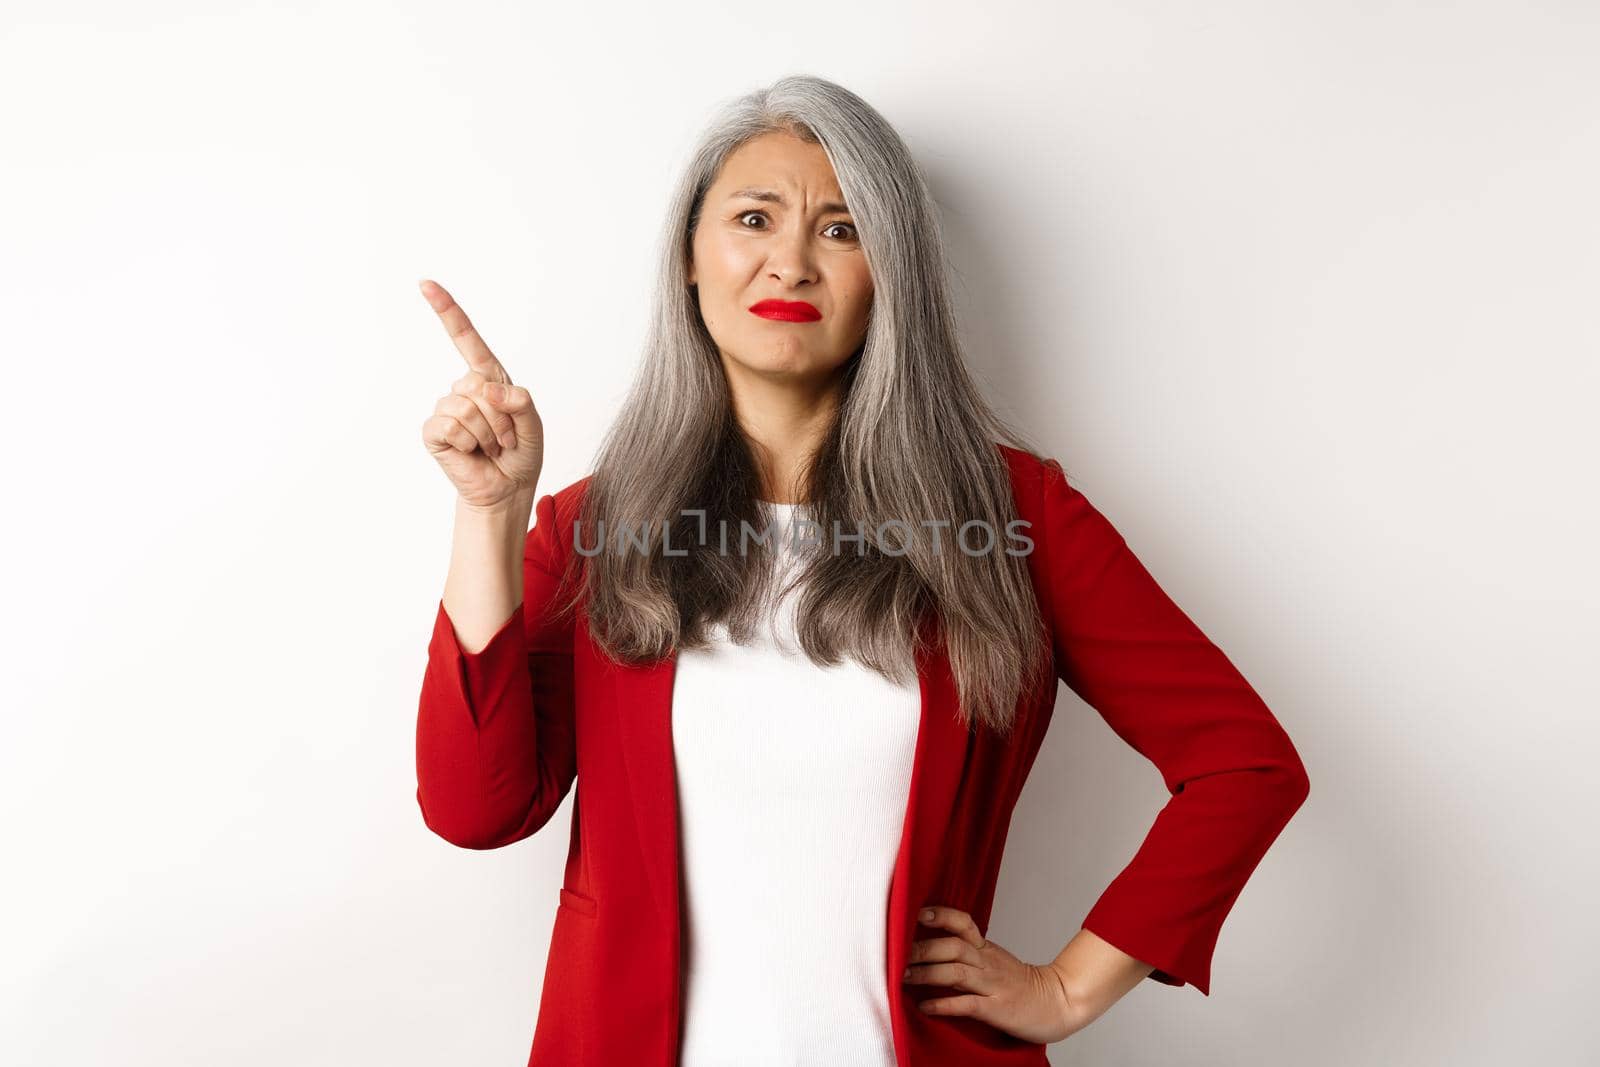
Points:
[774,198]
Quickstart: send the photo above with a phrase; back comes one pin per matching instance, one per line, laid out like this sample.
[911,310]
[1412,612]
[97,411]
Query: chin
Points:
[783,367]
[781,360]
[786,357]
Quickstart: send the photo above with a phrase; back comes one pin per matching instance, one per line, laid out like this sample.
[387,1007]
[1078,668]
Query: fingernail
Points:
[906,973]
[927,913]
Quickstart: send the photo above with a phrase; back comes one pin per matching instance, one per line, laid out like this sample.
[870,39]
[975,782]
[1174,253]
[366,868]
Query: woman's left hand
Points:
[1025,1000]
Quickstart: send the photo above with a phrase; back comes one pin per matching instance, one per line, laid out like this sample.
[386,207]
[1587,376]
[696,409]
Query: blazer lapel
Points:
[644,711]
[941,756]
[936,772]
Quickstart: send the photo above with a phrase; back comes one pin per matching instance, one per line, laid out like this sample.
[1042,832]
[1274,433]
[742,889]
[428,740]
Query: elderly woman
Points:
[796,639]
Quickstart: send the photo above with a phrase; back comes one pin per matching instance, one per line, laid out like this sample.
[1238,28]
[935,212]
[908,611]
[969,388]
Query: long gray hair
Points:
[913,440]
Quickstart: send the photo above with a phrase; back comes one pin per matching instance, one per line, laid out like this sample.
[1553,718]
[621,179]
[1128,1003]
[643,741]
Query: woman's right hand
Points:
[485,433]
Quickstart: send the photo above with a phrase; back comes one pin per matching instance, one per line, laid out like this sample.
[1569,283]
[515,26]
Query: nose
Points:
[792,260]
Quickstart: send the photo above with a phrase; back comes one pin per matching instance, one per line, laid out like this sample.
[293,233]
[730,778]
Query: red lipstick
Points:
[786,310]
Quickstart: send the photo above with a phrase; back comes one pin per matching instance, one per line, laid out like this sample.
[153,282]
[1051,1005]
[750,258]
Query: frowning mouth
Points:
[786,310]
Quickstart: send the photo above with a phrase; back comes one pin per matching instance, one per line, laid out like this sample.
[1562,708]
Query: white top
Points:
[792,788]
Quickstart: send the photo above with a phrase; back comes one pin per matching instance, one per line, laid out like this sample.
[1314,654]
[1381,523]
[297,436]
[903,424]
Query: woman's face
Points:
[773,227]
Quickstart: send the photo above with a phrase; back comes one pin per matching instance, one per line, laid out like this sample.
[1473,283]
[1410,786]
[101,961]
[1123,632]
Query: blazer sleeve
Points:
[496,747]
[1234,777]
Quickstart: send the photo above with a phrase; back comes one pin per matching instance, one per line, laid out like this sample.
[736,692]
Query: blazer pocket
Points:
[578,901]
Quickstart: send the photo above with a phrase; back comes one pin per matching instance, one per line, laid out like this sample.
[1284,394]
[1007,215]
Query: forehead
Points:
[777,161]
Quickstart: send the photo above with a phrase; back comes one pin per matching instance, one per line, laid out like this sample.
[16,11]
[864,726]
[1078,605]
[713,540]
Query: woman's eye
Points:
[849,226]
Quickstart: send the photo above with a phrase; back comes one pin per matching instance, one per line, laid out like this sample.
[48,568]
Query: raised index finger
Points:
[461,331]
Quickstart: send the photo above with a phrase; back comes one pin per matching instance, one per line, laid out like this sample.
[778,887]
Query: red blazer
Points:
[503,734]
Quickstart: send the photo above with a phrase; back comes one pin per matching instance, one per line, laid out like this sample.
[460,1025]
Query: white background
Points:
[1304,295]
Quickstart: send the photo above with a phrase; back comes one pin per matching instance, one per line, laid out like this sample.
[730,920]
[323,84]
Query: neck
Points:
[785,420]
